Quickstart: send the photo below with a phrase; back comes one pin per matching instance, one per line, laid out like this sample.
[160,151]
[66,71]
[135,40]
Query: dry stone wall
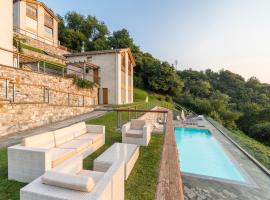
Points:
[36,99]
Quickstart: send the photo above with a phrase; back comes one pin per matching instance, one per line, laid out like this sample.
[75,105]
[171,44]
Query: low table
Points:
[128,153]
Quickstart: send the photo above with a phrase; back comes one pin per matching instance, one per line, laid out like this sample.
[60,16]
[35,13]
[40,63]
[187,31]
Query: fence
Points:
[23,93]
[42,39]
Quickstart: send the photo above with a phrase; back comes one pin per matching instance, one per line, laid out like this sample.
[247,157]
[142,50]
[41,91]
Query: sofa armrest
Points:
[27,163]
[125,128]
[146,131]
[95,129]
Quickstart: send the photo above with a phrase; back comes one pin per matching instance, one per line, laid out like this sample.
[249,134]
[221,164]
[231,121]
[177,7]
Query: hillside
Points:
[225,96]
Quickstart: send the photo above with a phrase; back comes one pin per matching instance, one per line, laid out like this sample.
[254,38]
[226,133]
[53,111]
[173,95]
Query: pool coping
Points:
[264,169]
[248,181]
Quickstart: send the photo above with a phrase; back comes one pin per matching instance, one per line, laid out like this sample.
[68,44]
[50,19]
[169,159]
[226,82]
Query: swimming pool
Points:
[201,154]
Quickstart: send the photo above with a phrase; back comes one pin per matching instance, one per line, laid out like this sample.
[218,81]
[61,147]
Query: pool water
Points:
[201,154]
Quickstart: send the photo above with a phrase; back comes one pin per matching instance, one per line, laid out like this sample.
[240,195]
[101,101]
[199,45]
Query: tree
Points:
[73,39]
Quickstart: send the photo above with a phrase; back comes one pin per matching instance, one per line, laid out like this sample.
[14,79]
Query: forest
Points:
[225,96]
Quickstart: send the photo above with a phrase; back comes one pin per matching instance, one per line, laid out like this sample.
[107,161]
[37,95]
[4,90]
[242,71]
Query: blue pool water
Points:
[201,154]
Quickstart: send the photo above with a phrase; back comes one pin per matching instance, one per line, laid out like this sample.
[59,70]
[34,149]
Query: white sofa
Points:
[136,132]
[37,154]
[69,181]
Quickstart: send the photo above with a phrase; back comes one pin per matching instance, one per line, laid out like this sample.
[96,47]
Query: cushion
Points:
[134,133]
[79,129]
[137,124]
[68,181]
[94,137]
[63,135]
[96,176]
[60,155]
[44,140]
[79,145]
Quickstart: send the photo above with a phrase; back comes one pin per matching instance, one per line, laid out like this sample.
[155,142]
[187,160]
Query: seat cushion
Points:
[137,124]
[60,155]
[94,137]
[79,129]
[96,176]
[79,145]
[44,140]
[63,135]
[69,181]
[134,133]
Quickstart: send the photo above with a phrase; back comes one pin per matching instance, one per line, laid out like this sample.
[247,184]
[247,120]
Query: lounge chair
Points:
[136,132]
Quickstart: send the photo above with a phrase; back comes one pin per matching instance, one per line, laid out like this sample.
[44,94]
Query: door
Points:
[105,95]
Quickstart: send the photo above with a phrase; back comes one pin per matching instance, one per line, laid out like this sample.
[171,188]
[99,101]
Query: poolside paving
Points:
[201,187]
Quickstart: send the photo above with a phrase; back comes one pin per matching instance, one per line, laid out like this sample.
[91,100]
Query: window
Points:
[48,31]
[31,11]
[48,20]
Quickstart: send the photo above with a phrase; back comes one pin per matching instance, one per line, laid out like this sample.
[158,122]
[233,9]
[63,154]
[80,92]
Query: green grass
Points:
[258,150]
[25,46]
[142,182]
[9,190]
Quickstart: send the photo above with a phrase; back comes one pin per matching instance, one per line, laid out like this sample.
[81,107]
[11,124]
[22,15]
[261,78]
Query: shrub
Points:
[82,83]
[261,132]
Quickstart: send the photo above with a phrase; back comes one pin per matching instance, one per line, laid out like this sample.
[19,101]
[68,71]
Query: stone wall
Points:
[35,99]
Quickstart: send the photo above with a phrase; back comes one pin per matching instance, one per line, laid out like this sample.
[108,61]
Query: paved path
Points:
[15,138]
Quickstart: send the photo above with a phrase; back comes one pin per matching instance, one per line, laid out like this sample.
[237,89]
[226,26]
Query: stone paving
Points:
[202,188]
[15,138]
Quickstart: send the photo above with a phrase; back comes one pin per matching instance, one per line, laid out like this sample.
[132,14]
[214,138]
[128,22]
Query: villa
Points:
[73,127]
[116,73]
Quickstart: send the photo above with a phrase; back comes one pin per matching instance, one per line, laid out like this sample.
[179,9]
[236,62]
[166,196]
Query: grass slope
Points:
[258,150]
[142,181]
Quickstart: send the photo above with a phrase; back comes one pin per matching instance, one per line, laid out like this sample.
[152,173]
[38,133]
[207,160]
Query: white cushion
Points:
[96,176]
[63,135]
[79,145]
[60,155]
[44,140]
[137,124]
[69,181]
[79,129]
[134,133]
[93,137]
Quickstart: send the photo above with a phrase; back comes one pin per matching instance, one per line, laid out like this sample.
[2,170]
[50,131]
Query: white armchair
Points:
[136,132]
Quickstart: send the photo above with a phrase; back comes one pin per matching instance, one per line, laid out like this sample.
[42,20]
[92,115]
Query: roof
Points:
[83,64]
[113,51]
[43,5]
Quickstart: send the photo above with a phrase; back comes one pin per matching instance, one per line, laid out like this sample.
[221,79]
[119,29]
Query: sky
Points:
[199,34]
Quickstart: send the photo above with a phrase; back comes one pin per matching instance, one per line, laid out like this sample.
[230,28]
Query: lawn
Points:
[141,183]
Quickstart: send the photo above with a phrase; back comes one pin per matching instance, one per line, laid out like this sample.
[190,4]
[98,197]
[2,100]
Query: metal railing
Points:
[42,39]
[125,114]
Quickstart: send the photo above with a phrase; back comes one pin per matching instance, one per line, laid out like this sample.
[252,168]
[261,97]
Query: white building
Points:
[36,20]
[116,73]
[6,33]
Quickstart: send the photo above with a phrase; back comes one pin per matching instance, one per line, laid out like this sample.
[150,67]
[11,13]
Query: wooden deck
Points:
[169,185]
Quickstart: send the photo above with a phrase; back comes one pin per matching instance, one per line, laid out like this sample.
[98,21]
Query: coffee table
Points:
[128,153]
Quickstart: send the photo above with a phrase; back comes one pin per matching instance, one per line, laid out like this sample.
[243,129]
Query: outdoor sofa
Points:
[69,181]
[136,132]
[40,153]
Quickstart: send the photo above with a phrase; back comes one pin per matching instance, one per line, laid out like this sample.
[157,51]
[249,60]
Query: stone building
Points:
[116,73]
